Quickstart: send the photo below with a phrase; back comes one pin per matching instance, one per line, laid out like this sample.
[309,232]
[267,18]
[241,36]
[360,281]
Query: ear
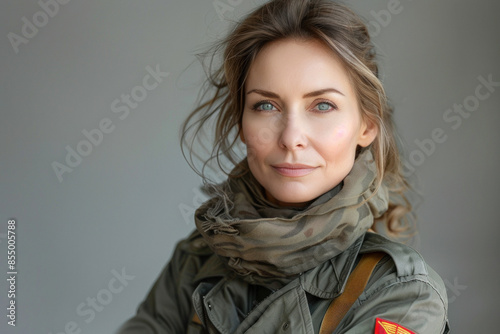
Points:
[367,133]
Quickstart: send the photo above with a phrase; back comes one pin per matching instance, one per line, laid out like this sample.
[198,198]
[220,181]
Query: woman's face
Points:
[301,121]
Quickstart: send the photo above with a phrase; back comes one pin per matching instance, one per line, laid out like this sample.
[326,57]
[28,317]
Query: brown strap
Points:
[196,319]
[355,285]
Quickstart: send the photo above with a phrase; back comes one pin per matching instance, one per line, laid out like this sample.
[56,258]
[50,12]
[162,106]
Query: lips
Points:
[293,170]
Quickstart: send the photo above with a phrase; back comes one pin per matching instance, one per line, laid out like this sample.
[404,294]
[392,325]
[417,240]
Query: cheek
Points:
[337,142]
[340,132]
[257,140]
[335,135]
[260,133]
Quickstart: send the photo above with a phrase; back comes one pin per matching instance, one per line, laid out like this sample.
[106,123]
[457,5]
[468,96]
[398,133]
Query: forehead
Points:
[307,64]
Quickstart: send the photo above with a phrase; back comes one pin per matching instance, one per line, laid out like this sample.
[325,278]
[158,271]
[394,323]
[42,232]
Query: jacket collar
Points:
[325,281]
[328,279]
[210,264]
[212,268]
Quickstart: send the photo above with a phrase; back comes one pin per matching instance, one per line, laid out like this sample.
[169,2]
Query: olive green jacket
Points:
[402,289]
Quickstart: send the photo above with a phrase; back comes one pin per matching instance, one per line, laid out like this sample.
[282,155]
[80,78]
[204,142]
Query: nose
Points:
[293,133]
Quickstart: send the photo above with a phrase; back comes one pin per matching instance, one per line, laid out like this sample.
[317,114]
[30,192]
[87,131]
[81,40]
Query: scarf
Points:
[269,245]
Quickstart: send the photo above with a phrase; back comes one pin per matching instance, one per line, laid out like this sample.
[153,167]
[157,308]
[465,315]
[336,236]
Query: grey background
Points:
[120,208]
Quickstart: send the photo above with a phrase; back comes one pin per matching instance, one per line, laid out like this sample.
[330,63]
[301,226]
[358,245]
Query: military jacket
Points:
[402,289]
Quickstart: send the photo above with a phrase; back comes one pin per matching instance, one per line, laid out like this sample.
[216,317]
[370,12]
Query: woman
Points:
[285,235]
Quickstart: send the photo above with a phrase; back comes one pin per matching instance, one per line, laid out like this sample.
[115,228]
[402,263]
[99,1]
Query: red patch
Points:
[387,327]
[308,232]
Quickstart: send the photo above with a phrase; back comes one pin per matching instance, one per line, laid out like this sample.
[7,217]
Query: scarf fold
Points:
[269,245]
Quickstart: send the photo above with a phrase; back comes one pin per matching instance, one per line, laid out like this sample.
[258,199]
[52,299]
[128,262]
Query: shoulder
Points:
[403,289]
[402,263]
[406,261]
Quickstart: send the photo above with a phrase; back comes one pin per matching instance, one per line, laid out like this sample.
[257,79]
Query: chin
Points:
[287,198]
[297,195]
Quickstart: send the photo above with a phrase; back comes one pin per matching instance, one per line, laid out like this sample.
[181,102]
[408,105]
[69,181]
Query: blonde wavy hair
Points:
[222,98]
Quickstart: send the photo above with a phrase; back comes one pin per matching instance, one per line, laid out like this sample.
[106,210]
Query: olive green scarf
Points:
[268,245]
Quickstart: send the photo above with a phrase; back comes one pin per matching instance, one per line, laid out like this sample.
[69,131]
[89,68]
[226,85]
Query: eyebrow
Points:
[310,94]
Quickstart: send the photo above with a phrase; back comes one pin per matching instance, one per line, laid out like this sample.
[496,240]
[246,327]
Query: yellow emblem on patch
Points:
[388,327]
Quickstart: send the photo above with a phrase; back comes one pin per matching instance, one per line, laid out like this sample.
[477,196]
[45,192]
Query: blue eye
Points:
[264,106]
[325,107]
